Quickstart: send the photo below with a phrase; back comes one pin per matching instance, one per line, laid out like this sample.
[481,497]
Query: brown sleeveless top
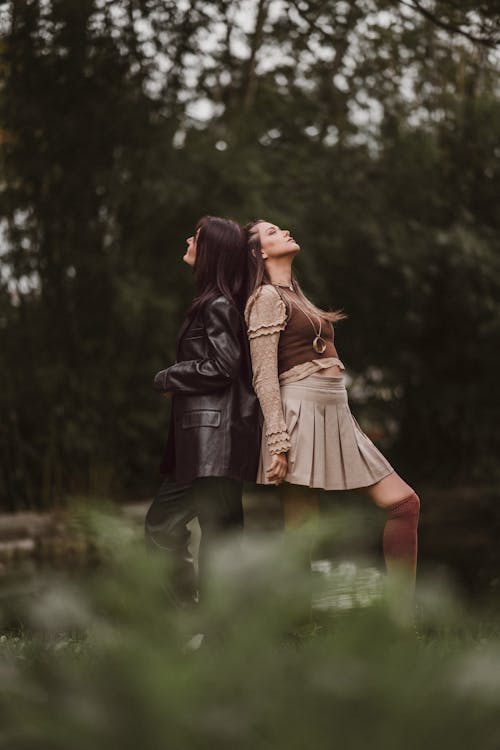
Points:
[295,343]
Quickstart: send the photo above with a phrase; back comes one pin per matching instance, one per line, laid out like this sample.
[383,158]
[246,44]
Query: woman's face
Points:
[274,241]
[190,255]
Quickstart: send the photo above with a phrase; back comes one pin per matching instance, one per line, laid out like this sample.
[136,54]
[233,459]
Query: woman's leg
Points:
[219,506]
[299,504]
[166,530]
[402,506]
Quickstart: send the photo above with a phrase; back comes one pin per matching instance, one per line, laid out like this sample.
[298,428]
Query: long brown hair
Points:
[258,275]
[220,266]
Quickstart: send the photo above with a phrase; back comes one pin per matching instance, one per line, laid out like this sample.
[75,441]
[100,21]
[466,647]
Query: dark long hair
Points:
[220,266]
[257,276]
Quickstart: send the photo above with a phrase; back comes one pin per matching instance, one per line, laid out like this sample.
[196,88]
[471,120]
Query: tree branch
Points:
[250,82]
[452,28]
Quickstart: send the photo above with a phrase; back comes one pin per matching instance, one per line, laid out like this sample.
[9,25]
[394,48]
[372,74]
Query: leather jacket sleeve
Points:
[222,328]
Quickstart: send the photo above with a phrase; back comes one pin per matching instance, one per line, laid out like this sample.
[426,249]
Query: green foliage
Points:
[370,128]
[106,662]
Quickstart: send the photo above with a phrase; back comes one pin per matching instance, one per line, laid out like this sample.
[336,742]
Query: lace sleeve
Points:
[265,316]
[265,312]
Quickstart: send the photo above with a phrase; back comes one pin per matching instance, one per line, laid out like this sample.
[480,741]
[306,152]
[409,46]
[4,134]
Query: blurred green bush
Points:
[364,127]
[104,661]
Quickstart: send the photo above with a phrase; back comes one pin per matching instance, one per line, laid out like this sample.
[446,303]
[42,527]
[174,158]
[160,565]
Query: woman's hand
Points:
[278,469]
[159,384]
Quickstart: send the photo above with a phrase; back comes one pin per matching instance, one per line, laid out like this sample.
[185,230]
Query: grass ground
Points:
[100,659]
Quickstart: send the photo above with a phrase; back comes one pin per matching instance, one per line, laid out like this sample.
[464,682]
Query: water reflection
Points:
[346,585]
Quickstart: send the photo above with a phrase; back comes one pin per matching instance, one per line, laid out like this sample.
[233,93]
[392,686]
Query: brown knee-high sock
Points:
[400,534]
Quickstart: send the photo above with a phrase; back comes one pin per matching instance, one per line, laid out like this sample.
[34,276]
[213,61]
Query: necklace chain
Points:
[319,344]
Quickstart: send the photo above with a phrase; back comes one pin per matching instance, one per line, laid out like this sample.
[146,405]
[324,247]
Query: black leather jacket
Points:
[215,420]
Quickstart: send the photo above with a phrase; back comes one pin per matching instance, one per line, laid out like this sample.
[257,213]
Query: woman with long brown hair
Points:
[310,438]
[213,439]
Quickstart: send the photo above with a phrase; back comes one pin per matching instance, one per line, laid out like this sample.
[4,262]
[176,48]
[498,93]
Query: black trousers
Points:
[217,501]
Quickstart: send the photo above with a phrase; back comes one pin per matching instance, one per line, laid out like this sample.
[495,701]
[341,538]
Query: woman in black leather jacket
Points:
[214,434]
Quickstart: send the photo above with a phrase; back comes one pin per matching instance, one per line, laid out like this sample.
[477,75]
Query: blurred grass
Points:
[101,660]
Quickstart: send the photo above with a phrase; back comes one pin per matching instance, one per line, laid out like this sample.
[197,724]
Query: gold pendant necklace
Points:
[319,343]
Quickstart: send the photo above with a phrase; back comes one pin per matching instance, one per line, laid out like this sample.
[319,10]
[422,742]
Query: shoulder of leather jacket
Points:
[221,300]
[221,303]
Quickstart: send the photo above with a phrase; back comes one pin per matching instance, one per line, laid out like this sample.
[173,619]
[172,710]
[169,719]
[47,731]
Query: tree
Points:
[366,126]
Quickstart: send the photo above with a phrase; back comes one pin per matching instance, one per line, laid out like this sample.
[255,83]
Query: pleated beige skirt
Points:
[329,449]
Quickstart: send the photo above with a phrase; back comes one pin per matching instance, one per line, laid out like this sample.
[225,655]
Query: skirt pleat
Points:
[329,450]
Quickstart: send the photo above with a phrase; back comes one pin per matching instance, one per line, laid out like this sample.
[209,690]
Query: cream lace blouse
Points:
[266,317]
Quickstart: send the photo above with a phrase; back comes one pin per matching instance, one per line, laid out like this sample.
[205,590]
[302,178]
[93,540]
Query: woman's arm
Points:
[266,318]
[213,373]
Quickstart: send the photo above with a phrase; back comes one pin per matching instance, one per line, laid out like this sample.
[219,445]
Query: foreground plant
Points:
[104,662]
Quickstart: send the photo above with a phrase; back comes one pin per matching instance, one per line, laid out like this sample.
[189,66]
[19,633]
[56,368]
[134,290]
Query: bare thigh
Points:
[388,490]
